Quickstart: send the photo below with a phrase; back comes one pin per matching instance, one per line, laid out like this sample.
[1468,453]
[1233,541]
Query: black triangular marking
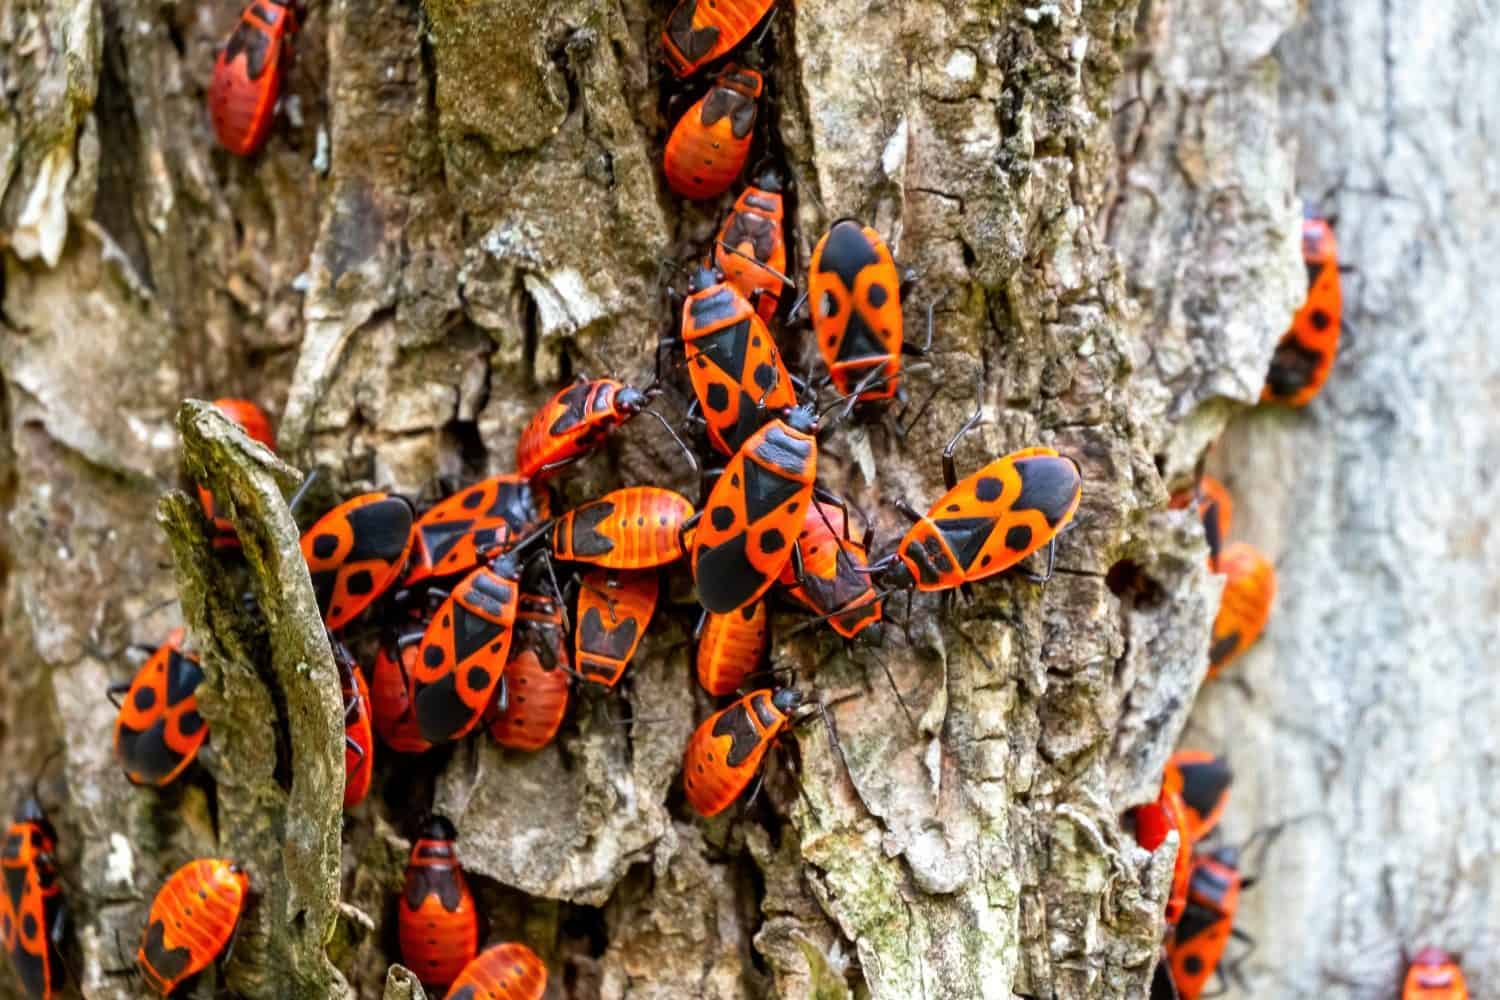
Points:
[168,963]
[440,538]
[1203,784]
[380,529]
[471,633]
[1196,919]
[183,676]
[594,636]
[146,754]
[15,886]
[966,536]
[765,491]
[744,737]
[727,348]
[860,342]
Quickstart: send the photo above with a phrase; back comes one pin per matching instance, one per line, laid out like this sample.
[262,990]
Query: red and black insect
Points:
[614,611]
[258,427]
[474,525]
[356,552]
[248,73]
[725,752]
[1153,822]
[158,731]
[536,678]
[1434,975]
[465,649]
[700,31]
[33,913]
[855,295]
[573,423]
[391,707]
[359,732]
[988,522]
[191,921]
[1244,606]
[507,971]
[1215,510]
[751,249]
[638,527]
[1203,781]
[738,376]
[834,581]
[437,921]
[709,145]
[1196,946]
[731,647]
[1304,357]
[755,512]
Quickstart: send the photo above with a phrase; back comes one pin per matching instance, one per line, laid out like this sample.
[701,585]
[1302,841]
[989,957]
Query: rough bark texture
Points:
[462,205]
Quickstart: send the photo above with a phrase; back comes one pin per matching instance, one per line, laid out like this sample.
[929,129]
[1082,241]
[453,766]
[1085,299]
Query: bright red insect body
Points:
[709,145]
[248,74]
[507,971]
[614,611]
[192,919]
[1304,357]
[158,731]
[474,525]
[639,527]
[359,732]
[754,228]
[391,709]
[536,677]
[573,423]
[1196,945]
[1434,975]
[1152,824]
[731,646]
[436,917]
[700,31]
[725,752]
[355,553]
[835,580]
[32,910]
[855,295]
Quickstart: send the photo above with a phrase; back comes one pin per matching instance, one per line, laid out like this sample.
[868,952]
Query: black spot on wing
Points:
[1018,537]
[716,398]
[1048,486]
[966,536]
[847,253]
[596,636]
[146,754]
[1223,648]
[440,712]
[428,880]
[183,676]
[1320,319]
[381,530]
[587,541]
[929,559]
[31,968]
[725,578]
[1292,367]
[765,491]
[1204,784]
[15,884]
[325,545]
[744,737]
[169,963]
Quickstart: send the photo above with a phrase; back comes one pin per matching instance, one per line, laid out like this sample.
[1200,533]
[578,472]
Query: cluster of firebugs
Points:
[482,635]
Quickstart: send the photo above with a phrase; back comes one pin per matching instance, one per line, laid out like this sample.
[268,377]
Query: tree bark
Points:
[462,205]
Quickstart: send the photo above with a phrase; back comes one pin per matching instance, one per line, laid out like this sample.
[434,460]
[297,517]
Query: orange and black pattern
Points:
[191,920]
[573,423]
[1196,944]
[731,646]
[463,654]
[1215,510]
[437,922]
[835,579]
[507,971]
[359,731]
[709,145]
[473,525]
[753,517]
[614,611]
[1153,822]
[1434,975]
[993,519]
[755,227]
[32,912]
[355,552]
[725,752]
[391,709]
[855,296]
[1203,781]
[700,31]
[736,369]
[247,76]
[536,706]
[1304,357]
[158,731]
[1244,606]
[639,527]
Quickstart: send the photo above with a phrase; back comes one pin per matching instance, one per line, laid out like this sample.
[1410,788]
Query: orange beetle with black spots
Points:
[638,527]
[854,293]
[709,145]
[1215,510]
[1244,606]
[33,913]
[739,379]
[473,525]
[248,74]
[191,921]
[1196,945]
[1304,357]
[614,611]
[573,423]
[987,523]
[755,512]
[536,678]
[1434,975]
[158,731]
[700,31]
[437,922]
[359,731]
[391,708]
[507,971]
[751,249]
[1203,780]
[835,578]
[465,649]
[356,552]
[253,420]
[731,646]
[725,752]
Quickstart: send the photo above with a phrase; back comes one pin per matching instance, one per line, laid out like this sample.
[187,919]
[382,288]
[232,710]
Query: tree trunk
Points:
[462,205]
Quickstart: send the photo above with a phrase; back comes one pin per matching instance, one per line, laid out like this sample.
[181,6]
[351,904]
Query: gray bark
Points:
[460,196]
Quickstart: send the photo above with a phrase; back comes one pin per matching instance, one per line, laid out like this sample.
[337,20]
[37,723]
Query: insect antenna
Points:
[788,282]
